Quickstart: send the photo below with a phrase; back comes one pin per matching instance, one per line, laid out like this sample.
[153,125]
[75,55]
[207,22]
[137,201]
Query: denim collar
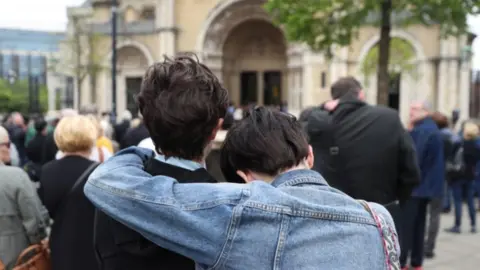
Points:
[180,162]
[295,177]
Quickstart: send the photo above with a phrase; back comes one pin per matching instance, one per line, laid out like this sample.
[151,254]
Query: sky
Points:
[52,15]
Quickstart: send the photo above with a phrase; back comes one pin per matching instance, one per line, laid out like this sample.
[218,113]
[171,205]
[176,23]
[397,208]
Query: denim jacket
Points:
[296,222]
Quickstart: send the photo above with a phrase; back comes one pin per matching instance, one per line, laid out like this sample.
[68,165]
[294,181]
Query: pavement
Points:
[456,251]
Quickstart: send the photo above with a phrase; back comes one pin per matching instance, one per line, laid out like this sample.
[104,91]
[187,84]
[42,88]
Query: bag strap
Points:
[79,180]
[388,238]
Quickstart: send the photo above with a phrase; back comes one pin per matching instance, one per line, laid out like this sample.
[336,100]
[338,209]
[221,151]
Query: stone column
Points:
[452,74]
[166,21]
[260,89]
[464,91]
[121,94]
[442,77]
[101,90]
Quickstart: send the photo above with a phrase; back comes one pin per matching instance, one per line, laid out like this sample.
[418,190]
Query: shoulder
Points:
[384,112]
[10,172]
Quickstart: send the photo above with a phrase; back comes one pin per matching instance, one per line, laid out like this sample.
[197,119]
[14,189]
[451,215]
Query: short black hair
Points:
[39,124]
[266,141]
[181,102]
[346,86]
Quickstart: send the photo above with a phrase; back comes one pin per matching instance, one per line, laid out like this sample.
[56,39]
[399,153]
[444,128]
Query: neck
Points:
[85,154]
[269,178]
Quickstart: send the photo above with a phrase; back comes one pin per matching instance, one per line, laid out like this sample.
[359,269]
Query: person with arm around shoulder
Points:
[286,217]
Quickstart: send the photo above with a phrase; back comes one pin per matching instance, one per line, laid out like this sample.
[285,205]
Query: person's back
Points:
[119,247]
[363,150]
[290,219]
[22,219]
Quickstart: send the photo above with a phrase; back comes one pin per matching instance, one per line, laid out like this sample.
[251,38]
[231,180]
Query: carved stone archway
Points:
[219,25]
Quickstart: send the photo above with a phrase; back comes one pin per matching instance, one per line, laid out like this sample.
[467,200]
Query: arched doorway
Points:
[240,44]
[402,57]
[254,63]
[131,64]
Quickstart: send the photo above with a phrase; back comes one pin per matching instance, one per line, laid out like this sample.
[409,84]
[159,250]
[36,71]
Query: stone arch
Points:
[411,88]
[398,34]
[255,46]
[132,43]
[226,16]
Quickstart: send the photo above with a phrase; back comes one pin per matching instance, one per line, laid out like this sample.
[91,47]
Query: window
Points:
[148,13]
[23,66]
[323,81]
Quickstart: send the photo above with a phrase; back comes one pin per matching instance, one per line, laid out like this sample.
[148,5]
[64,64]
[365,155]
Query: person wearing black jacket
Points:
[183,105]
[363,150]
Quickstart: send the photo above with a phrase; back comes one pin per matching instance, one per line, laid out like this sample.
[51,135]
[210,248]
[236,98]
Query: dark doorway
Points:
[248,87]
[133,87]
[272,88]
[394,91]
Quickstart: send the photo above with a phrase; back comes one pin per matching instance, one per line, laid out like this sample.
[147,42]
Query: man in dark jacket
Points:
[429,148]
[181,136]
[363,150]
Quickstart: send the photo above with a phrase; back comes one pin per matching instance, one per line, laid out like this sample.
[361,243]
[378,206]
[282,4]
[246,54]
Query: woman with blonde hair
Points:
[469,155]
[99,152]
[61,191]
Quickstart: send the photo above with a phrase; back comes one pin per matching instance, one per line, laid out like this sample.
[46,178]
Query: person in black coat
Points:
[71,238]
[363,150]
[34,150]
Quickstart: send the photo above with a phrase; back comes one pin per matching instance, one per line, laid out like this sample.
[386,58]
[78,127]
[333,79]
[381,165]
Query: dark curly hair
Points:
[181,102]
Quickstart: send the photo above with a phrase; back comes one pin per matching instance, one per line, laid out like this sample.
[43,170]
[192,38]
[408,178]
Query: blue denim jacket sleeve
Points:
[190,219]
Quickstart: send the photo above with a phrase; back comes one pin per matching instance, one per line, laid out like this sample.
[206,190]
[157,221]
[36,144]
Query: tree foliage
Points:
[323,23]
[402,56]
[16,97]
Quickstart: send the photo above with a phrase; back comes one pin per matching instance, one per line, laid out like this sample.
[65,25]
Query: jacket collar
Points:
[297,177]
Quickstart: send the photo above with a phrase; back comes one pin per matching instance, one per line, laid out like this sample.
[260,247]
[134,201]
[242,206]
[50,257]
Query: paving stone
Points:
[455,252]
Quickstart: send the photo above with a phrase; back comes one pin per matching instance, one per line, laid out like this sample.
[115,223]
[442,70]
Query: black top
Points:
[35,149]
[471,155]
[120,248]
[374,158]
[134,136]
[71,238]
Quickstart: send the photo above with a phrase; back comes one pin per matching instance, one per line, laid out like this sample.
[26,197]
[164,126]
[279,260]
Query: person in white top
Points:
[95,155]
[148,144]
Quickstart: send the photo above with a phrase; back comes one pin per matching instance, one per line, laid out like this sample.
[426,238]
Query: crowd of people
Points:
[344,186]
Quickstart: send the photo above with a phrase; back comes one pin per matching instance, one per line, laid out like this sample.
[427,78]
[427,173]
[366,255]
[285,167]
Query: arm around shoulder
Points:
[190,219]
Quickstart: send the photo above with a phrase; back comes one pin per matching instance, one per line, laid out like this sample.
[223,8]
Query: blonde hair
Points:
[97,124]
[470,131]
[75,134]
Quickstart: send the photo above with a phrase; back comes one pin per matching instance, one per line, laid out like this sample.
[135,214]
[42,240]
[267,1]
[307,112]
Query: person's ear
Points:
[361,95]
[310,157]
[246,176]
[216,129]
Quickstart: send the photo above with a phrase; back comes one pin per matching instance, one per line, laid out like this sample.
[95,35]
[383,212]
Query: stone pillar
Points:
[165,20]
[453,67]
[102,90]
[442,77]
[464,92]
[121,94]
[260,89]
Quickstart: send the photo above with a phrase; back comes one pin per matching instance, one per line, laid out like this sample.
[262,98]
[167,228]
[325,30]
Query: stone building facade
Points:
[238,41]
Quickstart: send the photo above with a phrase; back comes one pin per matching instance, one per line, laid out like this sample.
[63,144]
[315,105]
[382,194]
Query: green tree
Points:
[84,55]
[323,23]
[402,54]
[16,97]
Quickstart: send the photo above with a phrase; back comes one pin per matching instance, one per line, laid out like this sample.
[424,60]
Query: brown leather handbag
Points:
[35,257]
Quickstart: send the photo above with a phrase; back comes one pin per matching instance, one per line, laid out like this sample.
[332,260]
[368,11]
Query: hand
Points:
[331,105]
